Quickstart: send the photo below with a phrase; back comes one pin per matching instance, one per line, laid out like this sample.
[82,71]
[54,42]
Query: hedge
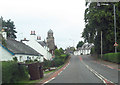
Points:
[56,62]
[112,57]
[12,72]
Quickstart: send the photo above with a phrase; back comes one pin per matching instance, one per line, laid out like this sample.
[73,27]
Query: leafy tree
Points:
[57,52]
[80,43]
[10,28]
[61,50]
[101,18]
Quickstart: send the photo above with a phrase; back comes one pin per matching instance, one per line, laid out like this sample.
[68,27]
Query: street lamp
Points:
[98,4]
[115,28]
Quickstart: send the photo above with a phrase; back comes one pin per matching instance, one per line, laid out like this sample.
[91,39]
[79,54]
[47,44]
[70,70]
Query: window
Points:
[20,58]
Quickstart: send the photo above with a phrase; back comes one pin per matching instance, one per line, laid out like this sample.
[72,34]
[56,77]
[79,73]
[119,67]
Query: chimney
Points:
[33,35]
[24,40]
[38,38]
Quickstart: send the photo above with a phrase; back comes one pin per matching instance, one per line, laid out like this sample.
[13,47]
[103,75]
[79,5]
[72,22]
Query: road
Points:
[83,69]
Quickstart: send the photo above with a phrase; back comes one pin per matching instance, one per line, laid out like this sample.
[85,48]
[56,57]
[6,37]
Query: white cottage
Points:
[17,49]
[35,44]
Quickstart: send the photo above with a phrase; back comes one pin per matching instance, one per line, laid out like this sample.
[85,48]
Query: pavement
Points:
[84,69]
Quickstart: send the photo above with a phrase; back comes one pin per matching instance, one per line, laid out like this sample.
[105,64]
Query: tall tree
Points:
[80,43]
[101,18]
[61,50]
[10,28]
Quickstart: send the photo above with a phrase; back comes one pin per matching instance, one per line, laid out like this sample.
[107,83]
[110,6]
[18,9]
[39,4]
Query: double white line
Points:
[106,81]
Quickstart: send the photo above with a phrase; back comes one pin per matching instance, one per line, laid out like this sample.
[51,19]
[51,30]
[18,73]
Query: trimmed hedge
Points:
[112,57]
[12,72]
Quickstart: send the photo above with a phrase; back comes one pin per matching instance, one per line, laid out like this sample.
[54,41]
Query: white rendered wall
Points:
[5,55]
[36,46]
[22,58]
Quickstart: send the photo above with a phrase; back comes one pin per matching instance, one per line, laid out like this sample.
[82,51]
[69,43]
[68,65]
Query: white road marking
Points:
[60,73]
[48,80]
[97,74]
[54,77]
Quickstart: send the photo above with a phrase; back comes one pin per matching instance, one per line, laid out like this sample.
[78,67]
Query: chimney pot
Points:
[38,38]
[34,32]
[24,38]
[31,32]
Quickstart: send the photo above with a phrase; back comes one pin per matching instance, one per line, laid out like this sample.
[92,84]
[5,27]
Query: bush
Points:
[57,52]
[15,59]
[92,51]
[60,60]
[57,62]
[12,72]
[112,57]
[47,64]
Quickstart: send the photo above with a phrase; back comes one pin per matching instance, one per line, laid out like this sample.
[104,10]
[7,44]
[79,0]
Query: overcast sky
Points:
[64,17]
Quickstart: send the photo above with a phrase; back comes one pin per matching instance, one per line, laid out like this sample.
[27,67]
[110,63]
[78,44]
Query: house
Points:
[85,49]
[34,43]
[5,54]
[44,45]
[18,49]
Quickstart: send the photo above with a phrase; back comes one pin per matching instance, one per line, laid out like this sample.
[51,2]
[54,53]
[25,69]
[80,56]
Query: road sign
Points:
[115,44]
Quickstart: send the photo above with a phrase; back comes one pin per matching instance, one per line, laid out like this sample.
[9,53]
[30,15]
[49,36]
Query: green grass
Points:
[46,72]
[29,82]
[60,66]
[54,70]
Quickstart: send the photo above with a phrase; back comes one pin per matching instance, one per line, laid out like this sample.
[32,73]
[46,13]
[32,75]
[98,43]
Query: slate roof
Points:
[42,43]
[20,48]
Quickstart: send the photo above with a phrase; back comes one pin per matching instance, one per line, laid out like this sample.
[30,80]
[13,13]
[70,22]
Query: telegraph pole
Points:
[101,45]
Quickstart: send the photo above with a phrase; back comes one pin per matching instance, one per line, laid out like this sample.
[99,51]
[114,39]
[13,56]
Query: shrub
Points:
[47,64]
[92,50]
[15,59]
[58,62]
[12,72]
[81,53]
[112,57]
[57,52]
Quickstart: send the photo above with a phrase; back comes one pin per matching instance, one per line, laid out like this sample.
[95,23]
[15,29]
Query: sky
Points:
[64,17]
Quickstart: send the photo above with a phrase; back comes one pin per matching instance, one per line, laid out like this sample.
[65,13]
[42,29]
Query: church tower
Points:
[50,41]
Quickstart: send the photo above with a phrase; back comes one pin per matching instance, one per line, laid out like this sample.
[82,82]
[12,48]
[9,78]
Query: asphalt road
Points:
[108,73]
[83,70]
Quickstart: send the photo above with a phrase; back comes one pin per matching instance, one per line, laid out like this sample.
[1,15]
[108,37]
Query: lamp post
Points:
[98,4]
[115,28]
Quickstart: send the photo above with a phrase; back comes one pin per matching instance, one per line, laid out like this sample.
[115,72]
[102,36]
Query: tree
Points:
[61,50]
[10,28]
[57,52]
[101,18]
[80,43]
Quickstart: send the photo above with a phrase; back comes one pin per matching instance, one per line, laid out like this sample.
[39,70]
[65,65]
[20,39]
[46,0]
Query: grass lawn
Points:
[28,82]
